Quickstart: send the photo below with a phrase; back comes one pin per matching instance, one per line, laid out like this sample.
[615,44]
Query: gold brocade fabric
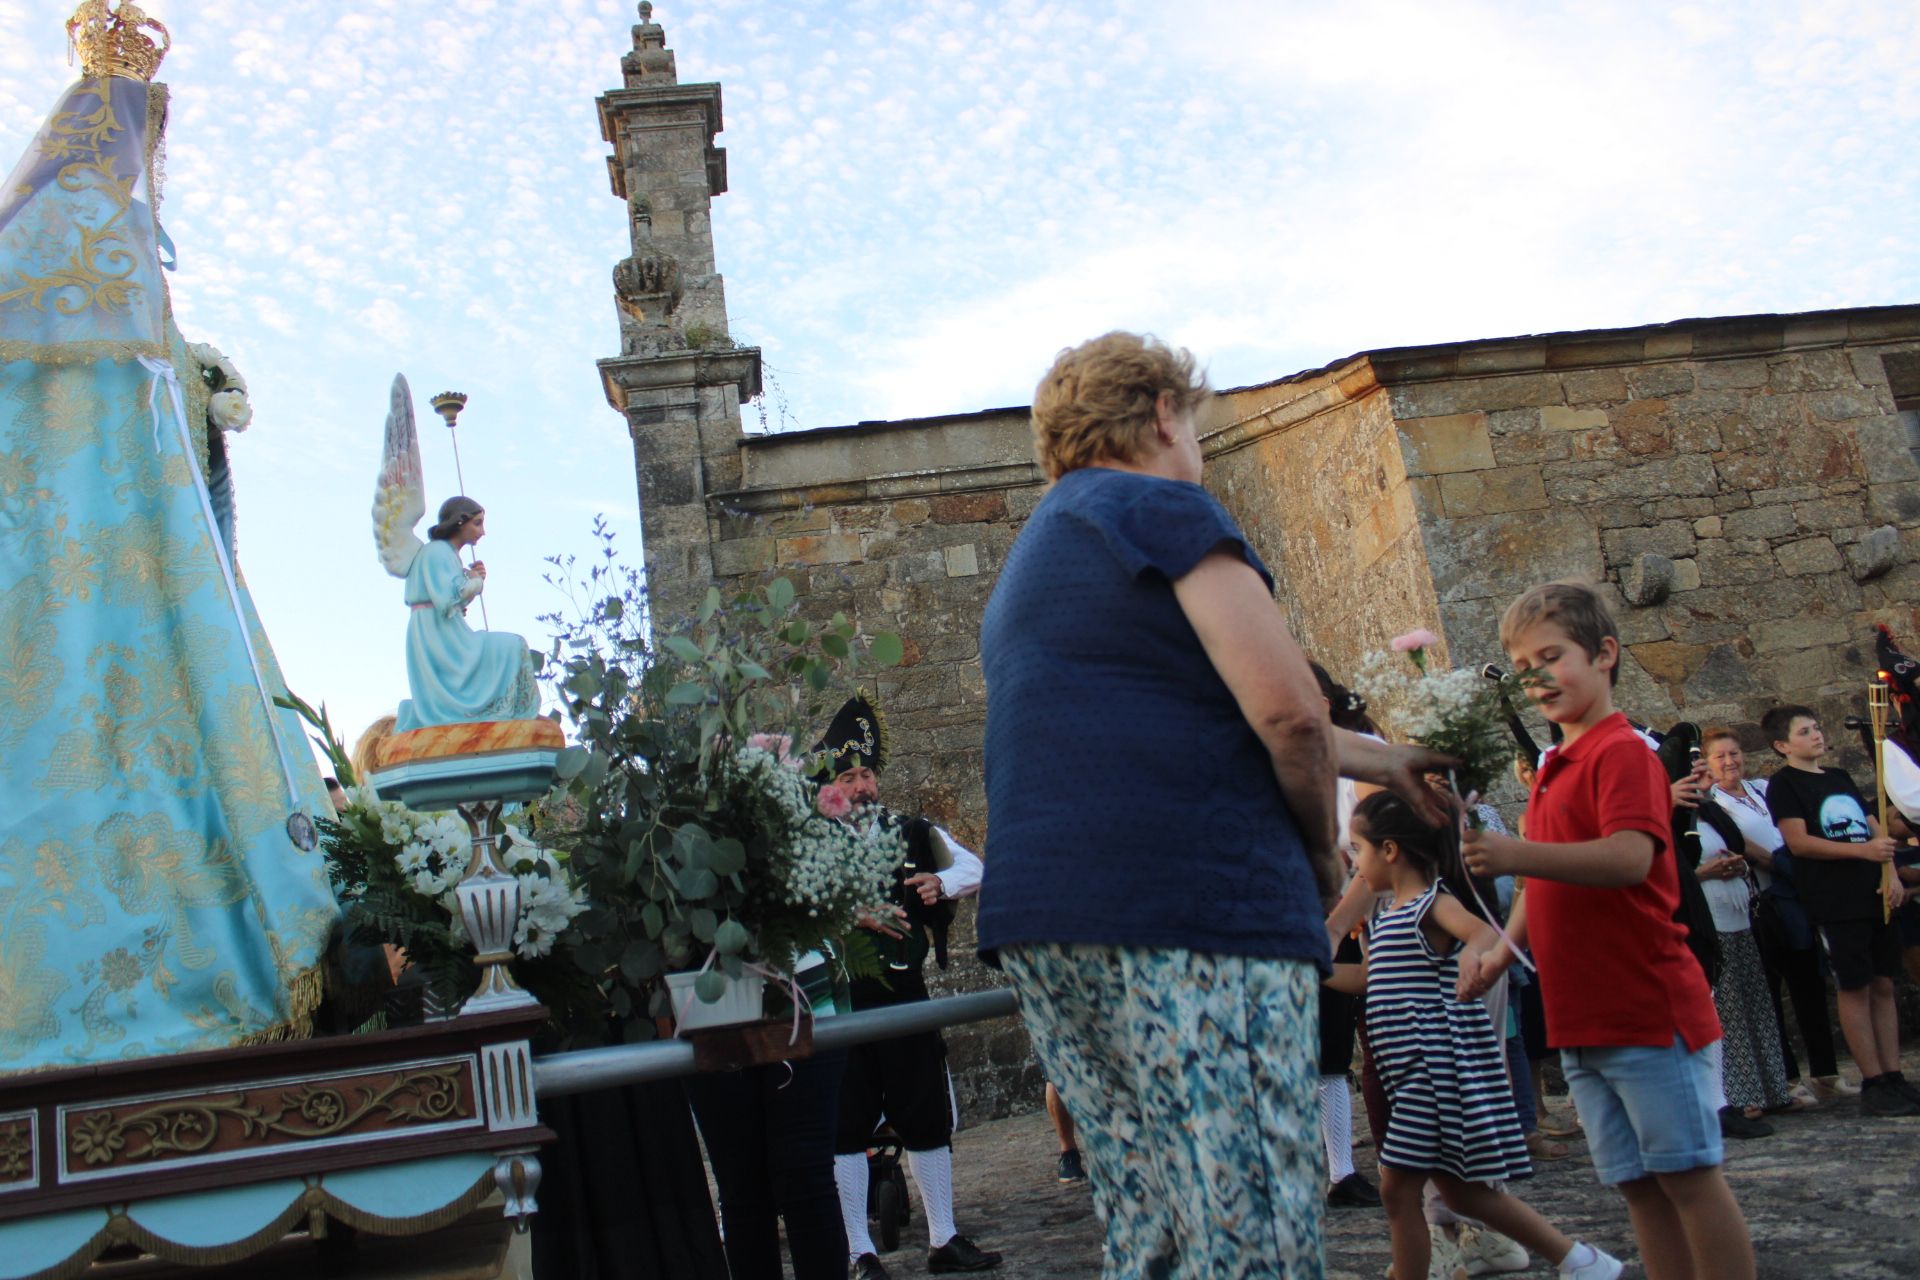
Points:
[151,900]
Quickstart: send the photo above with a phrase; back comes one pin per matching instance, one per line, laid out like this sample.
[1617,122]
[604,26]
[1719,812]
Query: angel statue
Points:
[457,675]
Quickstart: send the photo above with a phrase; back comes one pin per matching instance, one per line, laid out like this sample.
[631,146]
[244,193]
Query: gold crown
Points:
[111,43]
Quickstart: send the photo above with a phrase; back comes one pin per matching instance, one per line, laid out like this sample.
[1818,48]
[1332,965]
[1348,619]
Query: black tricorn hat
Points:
[856,737]
[1902,675]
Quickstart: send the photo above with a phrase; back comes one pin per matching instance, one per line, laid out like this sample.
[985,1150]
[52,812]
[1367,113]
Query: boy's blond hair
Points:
[1574,607]
[1097,402]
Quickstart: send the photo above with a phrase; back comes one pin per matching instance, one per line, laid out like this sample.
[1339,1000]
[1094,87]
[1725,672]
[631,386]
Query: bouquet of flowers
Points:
[395,871]
[1456,711]
[702,841]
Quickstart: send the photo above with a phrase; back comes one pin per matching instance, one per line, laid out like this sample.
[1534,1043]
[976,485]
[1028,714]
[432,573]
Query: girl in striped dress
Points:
[1444,1068]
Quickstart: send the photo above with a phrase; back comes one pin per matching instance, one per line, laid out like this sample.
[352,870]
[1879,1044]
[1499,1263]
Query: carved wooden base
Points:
[123,1131]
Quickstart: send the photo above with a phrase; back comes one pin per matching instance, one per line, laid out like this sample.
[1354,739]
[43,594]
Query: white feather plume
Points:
[400,494]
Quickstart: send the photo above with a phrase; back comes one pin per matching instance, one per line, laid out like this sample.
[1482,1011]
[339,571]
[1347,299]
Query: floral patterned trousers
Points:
[1191,1078]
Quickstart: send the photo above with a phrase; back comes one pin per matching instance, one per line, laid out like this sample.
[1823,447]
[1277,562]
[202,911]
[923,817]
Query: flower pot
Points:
[739,1003]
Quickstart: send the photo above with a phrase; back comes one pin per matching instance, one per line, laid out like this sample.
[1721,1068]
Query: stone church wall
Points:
[1313,472]
[1743,488]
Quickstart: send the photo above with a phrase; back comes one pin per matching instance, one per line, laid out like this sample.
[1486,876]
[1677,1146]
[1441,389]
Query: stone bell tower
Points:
[679,377]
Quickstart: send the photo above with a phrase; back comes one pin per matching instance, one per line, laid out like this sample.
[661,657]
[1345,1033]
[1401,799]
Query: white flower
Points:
[229,409]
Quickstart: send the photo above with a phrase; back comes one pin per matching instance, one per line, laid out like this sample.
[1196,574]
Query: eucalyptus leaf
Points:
[570,762]
[687,694]
[731,937]
[683,649]
[710,986]
[704,923]
[653,919]
[711,604]
[780,594]
[697,883]
[818,676]
[832,645]
[596,771]
[634,961]
[886,650]
[753,670]
[727,857]
[797,632]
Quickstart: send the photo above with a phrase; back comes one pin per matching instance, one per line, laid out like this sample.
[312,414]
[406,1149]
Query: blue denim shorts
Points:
[1647,1110]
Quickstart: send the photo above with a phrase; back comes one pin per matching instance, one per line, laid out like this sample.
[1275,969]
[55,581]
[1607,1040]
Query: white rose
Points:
[229,410]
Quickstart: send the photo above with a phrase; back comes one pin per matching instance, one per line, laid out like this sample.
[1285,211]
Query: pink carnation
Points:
[1419,638]
[832,802]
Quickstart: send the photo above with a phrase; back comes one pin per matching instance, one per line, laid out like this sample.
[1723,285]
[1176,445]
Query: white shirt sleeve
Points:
[962,879]
[1903,782]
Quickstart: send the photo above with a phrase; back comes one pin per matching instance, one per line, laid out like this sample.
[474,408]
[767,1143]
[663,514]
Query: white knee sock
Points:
[933,1172]
[850,1178]
[1336,1126]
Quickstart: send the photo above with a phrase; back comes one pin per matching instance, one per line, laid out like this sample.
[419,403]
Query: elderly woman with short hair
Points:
[1160,772]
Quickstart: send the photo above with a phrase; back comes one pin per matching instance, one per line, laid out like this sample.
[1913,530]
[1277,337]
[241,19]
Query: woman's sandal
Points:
[1799,1098]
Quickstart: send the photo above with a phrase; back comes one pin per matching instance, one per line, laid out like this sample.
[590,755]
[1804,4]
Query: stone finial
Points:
[1874,554]
[1649,580]
[651,62]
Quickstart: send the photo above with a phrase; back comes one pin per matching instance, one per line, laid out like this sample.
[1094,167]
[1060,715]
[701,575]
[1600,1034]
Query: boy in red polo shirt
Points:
[1626,1005]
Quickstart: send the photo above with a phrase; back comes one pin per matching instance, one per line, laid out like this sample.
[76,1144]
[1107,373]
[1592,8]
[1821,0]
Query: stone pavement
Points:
[1829,1195]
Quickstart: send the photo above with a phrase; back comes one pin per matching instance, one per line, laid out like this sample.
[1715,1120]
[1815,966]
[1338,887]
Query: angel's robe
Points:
[459,675]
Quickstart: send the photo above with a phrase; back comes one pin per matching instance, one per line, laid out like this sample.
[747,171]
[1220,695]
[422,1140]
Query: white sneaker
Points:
[1444,1260]
[1602,1267]
[1485,1252]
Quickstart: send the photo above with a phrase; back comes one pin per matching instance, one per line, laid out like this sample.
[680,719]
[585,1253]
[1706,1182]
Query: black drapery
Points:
[623,1193]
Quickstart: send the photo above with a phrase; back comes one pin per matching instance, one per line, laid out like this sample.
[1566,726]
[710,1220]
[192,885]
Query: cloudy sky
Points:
[929,199]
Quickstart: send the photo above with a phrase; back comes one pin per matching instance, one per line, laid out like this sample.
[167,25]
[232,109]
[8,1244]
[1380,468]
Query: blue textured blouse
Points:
[1129,802]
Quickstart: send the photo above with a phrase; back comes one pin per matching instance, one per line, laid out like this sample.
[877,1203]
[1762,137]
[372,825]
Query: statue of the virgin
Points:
[159,888]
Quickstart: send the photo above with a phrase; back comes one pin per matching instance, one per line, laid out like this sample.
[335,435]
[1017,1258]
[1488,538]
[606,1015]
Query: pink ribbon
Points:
[794,990]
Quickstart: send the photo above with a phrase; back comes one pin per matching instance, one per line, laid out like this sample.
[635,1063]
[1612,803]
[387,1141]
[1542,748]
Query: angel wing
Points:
[400,494]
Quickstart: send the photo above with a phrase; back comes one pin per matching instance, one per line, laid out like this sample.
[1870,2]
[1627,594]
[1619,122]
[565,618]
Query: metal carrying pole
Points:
[448,405]
[588,1069]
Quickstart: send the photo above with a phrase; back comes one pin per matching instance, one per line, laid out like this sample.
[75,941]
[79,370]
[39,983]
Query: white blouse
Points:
[1749,812]
[1728,900]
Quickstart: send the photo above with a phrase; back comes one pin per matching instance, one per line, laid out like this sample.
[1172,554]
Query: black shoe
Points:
[1880,1098]
[1735,1125]
[960,1254]
[1353,1192]
[1900,1083]
[867,1267]
[1071,1170]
